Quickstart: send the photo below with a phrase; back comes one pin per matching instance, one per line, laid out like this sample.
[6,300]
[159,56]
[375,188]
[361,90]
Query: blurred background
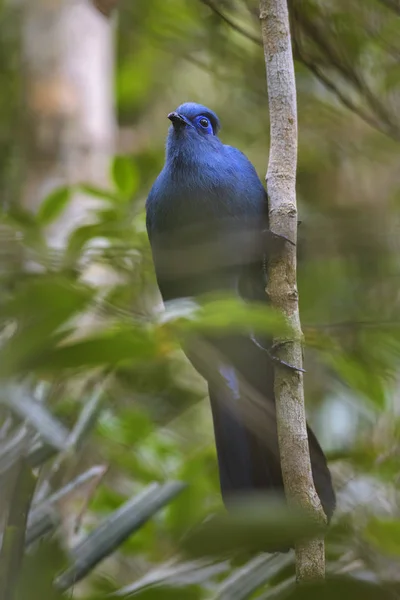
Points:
[107,459]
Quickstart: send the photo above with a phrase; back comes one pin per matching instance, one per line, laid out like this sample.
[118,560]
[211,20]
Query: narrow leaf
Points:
[97,192]
[259,525]
[116,529]
[125,176]
[52,206]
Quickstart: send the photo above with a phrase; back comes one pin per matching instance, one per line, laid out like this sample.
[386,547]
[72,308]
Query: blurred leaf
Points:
[175,575]
[97,192]
[130,426]
[23,221]
[194,504]
[384,535]
[110,227]
[18,215]
[221,314]
[106,499]
[255,573]
[333,588]
[359,377]
[52,206]
[80,236]
[254,525]
[125,176]
[51,429]
[38,571]
[13,542]
[39,307]
[190,592]
[110,534]
[110,348]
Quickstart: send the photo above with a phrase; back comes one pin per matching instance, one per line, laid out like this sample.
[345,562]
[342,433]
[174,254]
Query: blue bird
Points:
[206,215]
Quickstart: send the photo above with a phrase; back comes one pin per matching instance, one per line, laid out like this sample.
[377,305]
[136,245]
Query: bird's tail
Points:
[248,457]
[241,388]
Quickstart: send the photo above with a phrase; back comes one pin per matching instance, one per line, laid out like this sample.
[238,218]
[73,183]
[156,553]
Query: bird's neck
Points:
[180,150]
[186,152]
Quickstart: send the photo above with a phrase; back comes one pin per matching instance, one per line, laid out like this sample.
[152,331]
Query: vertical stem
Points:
[282,288]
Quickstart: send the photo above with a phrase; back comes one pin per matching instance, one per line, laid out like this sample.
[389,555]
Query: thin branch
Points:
[338,59]
[332,87]
[232,23]
[282,287]
[384,123]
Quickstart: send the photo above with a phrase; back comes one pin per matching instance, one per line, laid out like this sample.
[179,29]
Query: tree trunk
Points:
[282,288]
[68,54]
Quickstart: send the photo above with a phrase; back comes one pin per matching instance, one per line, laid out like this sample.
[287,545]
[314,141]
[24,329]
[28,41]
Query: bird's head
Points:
[191,119]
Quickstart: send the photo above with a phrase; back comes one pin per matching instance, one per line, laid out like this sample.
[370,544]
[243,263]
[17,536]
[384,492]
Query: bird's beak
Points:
[177,119]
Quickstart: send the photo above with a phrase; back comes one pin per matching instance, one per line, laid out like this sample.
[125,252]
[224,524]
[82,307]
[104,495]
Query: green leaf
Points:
[345,588]
[40,307]
[109,348]
[125,176]
[38,571]
[52,206]
[81,236]
[358,376]
[97,192]
[12,549]
[225,314]
[253,525]
[385,535]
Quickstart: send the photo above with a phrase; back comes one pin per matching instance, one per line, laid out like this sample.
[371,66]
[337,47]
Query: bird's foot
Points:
[276,359]
[276,241]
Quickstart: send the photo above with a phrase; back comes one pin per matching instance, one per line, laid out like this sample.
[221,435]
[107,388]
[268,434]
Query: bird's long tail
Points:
[241,389]
[249,460]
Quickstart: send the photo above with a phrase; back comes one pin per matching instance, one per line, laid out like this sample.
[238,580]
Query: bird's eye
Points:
[203,122]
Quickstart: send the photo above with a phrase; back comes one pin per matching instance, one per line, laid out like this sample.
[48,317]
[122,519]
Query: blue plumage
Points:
[206,214]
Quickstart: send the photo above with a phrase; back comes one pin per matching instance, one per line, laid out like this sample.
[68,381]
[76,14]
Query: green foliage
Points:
[125,177]
[152,425]
[384,534]
[110,349]
[97,192]
[38,571]
[339,587]
[228,314]
[254,525]
[40,327]
[53,206]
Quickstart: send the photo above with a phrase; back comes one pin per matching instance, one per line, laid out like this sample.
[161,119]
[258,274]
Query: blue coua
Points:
[206,214]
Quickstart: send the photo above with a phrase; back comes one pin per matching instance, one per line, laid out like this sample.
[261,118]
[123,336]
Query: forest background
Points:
[96,396]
